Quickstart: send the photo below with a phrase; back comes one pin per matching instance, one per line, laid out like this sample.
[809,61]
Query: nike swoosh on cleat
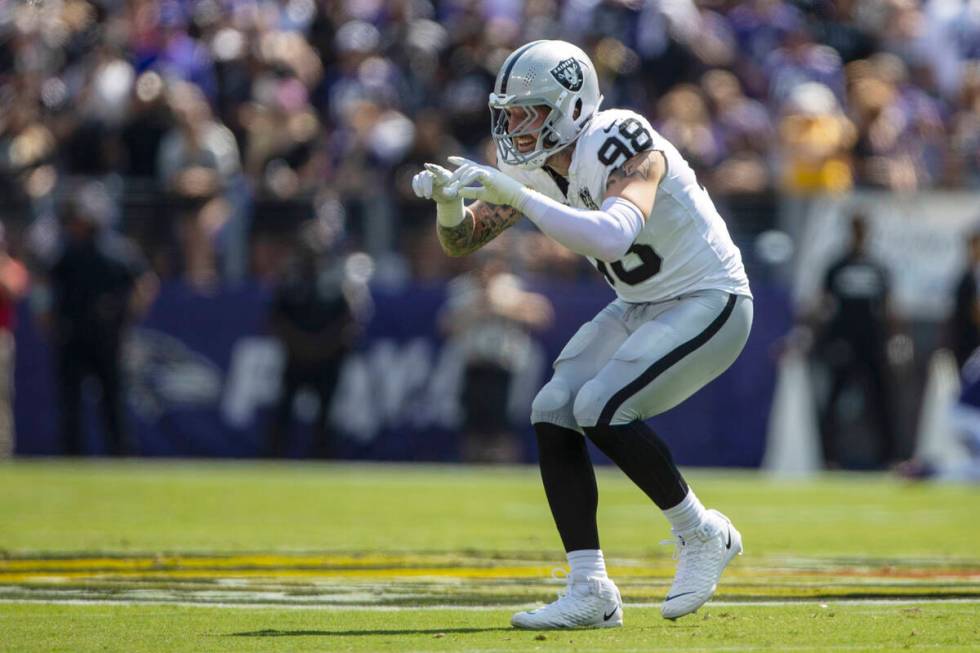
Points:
[728,544]
[669,598]
[607,617]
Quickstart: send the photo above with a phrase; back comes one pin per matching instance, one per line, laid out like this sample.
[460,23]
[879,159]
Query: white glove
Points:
[430,184]
[494,186]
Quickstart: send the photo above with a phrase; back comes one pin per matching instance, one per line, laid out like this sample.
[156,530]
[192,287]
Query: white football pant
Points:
[634,361]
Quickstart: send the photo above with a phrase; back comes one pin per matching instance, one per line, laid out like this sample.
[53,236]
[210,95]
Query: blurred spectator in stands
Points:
[13,285]
[28,149]
[432,142]
[98,284]
[175,39]
[464,94]
[799,61]
[683,119]
[489,317]
[86,127]
[743,123]
[925,40]
[746,132]
[836,24]
[924,135]
[965,131]
[198,163]
[879,121]
[340,97]
[853,326]
[815,139]
[284,152]
[27,145]
[963,328]
[143,131]
[370,141]
[676,42]
[900,146]
[275,119]
[620,66]
[315,321]
[760,27]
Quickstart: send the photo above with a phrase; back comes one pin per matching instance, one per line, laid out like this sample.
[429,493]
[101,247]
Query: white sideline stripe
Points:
[479,608]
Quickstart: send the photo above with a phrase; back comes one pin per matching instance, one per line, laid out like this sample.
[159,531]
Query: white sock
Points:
[587,563]
[686,515]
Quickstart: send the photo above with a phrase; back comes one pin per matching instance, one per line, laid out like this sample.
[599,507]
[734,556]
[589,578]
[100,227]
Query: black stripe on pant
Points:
[659,367]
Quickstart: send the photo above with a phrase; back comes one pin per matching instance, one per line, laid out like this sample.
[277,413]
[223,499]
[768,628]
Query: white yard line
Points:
[474,608]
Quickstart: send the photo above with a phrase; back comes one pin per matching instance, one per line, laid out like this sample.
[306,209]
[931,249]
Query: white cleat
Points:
[588,603]
[703,555]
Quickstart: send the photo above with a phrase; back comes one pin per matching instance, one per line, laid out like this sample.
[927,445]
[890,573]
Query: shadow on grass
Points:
[357,633]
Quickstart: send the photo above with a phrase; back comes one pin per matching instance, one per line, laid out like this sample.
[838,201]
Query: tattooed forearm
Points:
[640,167]
[483,223]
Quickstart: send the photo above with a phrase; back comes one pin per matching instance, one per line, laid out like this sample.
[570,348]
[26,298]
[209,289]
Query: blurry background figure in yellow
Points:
[13,284]
[815,139]
[490,318]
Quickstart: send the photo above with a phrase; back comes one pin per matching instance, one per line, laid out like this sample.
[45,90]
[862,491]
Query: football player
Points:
[609,187]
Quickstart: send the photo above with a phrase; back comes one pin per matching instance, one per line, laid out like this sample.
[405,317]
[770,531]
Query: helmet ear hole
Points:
[578,109]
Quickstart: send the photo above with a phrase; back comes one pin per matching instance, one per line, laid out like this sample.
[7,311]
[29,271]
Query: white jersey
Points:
[684,245]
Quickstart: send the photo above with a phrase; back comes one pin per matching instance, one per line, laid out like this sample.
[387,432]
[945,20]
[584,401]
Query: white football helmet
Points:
[555,74]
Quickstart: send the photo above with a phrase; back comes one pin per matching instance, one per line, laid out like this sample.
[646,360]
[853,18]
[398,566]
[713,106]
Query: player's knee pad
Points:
[589,404]
[553,404]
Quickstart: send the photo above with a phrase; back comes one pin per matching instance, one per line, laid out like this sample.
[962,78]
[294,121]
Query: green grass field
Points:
[202,556]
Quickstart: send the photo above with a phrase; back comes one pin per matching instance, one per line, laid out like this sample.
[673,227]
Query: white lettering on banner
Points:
[413,385]
[441,405]
[254,379]
[391,384]
[399,375]
[919,239]
[349,402]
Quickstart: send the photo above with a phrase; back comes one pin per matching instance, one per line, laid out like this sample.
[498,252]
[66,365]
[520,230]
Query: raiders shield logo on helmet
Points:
[569,74]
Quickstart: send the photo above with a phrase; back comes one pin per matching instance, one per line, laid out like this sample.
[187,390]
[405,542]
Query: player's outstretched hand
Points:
[430,184]
[491,185]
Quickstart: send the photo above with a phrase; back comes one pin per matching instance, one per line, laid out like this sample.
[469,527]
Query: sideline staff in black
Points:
[316,323]
[98,282]
[857,324]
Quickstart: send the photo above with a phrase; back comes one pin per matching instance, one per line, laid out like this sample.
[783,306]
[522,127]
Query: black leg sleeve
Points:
[569,482]
[645,459]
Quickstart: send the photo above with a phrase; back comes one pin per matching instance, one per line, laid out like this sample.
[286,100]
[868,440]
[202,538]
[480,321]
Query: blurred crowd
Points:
[229,136]
[233,111]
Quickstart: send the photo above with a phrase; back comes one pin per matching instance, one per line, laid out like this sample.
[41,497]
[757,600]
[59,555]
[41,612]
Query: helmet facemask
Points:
[548,135]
